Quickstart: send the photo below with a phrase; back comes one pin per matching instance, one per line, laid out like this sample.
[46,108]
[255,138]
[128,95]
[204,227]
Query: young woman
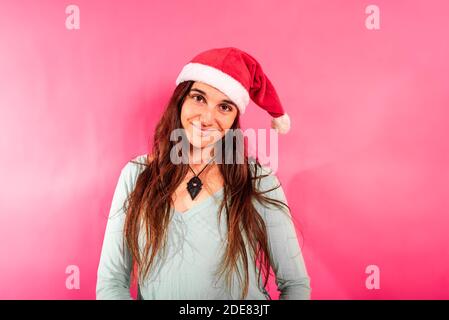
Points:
[203,228]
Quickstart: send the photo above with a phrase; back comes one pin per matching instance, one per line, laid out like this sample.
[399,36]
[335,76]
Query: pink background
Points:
[365,167]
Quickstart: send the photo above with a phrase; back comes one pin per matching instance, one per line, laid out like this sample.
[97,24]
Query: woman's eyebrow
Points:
[202,92]
[230,102]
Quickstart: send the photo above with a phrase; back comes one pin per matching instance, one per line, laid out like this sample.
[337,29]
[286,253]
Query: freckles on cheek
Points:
[186,113]
[189,112]
[227,123]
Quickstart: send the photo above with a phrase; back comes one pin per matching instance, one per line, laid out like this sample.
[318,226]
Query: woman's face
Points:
[205,115]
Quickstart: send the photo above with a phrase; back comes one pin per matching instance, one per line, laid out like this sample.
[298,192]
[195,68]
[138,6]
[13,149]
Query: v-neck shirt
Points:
[198,206]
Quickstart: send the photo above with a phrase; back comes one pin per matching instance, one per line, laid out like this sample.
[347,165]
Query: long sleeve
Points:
[286,259]
[113,276]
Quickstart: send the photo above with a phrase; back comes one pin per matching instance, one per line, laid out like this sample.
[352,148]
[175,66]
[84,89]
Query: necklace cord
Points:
[196,175]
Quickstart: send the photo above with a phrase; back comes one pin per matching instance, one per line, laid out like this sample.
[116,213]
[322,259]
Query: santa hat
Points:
[239,76]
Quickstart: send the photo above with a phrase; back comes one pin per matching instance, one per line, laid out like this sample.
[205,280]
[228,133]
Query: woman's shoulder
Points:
[259,169]
[133,167]
[141,160]
[265,178]
[267,182]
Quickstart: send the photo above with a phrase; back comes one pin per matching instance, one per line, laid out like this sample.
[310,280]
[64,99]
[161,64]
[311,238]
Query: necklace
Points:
[195,184]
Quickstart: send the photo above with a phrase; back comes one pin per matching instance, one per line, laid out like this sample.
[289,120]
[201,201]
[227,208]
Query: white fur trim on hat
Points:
[281,124]
[218,79]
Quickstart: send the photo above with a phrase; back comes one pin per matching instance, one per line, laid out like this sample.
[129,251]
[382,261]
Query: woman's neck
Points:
[199,157]
[206,160]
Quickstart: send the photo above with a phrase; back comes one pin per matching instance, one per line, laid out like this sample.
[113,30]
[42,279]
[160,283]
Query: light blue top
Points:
[194,248]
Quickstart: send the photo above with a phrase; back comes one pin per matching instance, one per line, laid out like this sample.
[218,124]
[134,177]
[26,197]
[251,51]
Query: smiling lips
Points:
[204,132]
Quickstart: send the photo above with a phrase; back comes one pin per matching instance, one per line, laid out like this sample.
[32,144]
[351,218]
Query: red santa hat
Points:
[239,76]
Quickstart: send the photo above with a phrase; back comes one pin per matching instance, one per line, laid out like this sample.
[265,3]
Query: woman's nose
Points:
[207,117]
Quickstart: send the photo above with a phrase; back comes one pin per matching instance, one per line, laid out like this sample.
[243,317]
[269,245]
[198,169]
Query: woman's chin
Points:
[202,145]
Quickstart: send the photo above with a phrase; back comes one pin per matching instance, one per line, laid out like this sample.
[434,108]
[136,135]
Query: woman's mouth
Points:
[203,132]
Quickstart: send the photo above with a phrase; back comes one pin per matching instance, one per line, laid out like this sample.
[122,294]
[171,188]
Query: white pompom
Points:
[281,124]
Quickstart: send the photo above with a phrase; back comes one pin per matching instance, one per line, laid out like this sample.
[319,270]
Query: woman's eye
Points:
[226,107]
[198,98]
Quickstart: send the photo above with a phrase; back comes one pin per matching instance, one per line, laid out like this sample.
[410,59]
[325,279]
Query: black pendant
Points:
[194,186]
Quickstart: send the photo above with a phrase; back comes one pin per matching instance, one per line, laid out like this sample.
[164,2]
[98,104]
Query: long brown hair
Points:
[160,178]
